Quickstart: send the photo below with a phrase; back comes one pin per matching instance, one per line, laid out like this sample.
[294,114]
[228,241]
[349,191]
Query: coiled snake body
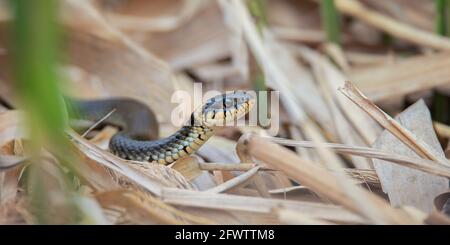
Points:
[137,139]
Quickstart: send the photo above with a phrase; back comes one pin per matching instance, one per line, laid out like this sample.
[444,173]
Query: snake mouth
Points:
[224,109]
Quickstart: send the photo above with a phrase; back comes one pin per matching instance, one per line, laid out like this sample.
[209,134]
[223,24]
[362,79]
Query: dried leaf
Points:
[407,186]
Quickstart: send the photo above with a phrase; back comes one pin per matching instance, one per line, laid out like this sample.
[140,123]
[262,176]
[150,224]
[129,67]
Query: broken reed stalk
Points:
[387,122]
[320,180]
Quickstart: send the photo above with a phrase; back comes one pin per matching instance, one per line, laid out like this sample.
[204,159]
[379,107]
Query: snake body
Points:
[138,138]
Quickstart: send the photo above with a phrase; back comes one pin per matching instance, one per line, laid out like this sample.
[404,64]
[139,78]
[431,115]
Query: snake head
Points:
[224,108]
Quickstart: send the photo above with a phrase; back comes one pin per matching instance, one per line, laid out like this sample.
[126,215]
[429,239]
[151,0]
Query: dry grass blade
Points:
[271,68]
[158,24]
[333,78]
[280,68]
[321,181]
[391,26]
[11,126]
[404,135]
[393,80]
[116,164]
[165,175]
[358,176]
[188,166]
[226,167]
[257,204]
[149,176]
[337,55]
[364,176]
[291,217]
[9,187]
[10,129]
[234,181]
[239,52]
[425,165]
[293,34]
[93,13]
[113,57]
[7,162]
[343,128]
[142,208]
[442,130]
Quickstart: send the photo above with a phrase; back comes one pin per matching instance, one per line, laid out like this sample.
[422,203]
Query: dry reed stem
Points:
[392,26]
[291,217]
[159,24]
[386,121]
[145,208]
[226,167]
[421,164]
[234,181]
[256,204]
[92,12]
[114,163]
[321,181]
[333,79]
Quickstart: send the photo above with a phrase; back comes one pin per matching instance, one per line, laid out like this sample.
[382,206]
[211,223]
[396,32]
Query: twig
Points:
[226,167]
[234,181]
[97,123]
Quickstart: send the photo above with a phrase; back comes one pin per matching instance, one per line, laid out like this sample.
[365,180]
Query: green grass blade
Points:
[36,42]
[330,21]
[441,17]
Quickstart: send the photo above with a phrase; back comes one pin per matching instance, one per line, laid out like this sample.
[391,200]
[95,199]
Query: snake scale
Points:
[138,136]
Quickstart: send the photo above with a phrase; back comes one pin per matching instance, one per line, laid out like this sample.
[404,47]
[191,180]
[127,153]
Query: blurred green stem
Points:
[36,39]
[439,108]
[442,18]
[439,104]
[330,21]
[258,9]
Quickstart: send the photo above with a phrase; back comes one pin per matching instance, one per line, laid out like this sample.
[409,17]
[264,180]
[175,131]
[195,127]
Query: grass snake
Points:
[138,136]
